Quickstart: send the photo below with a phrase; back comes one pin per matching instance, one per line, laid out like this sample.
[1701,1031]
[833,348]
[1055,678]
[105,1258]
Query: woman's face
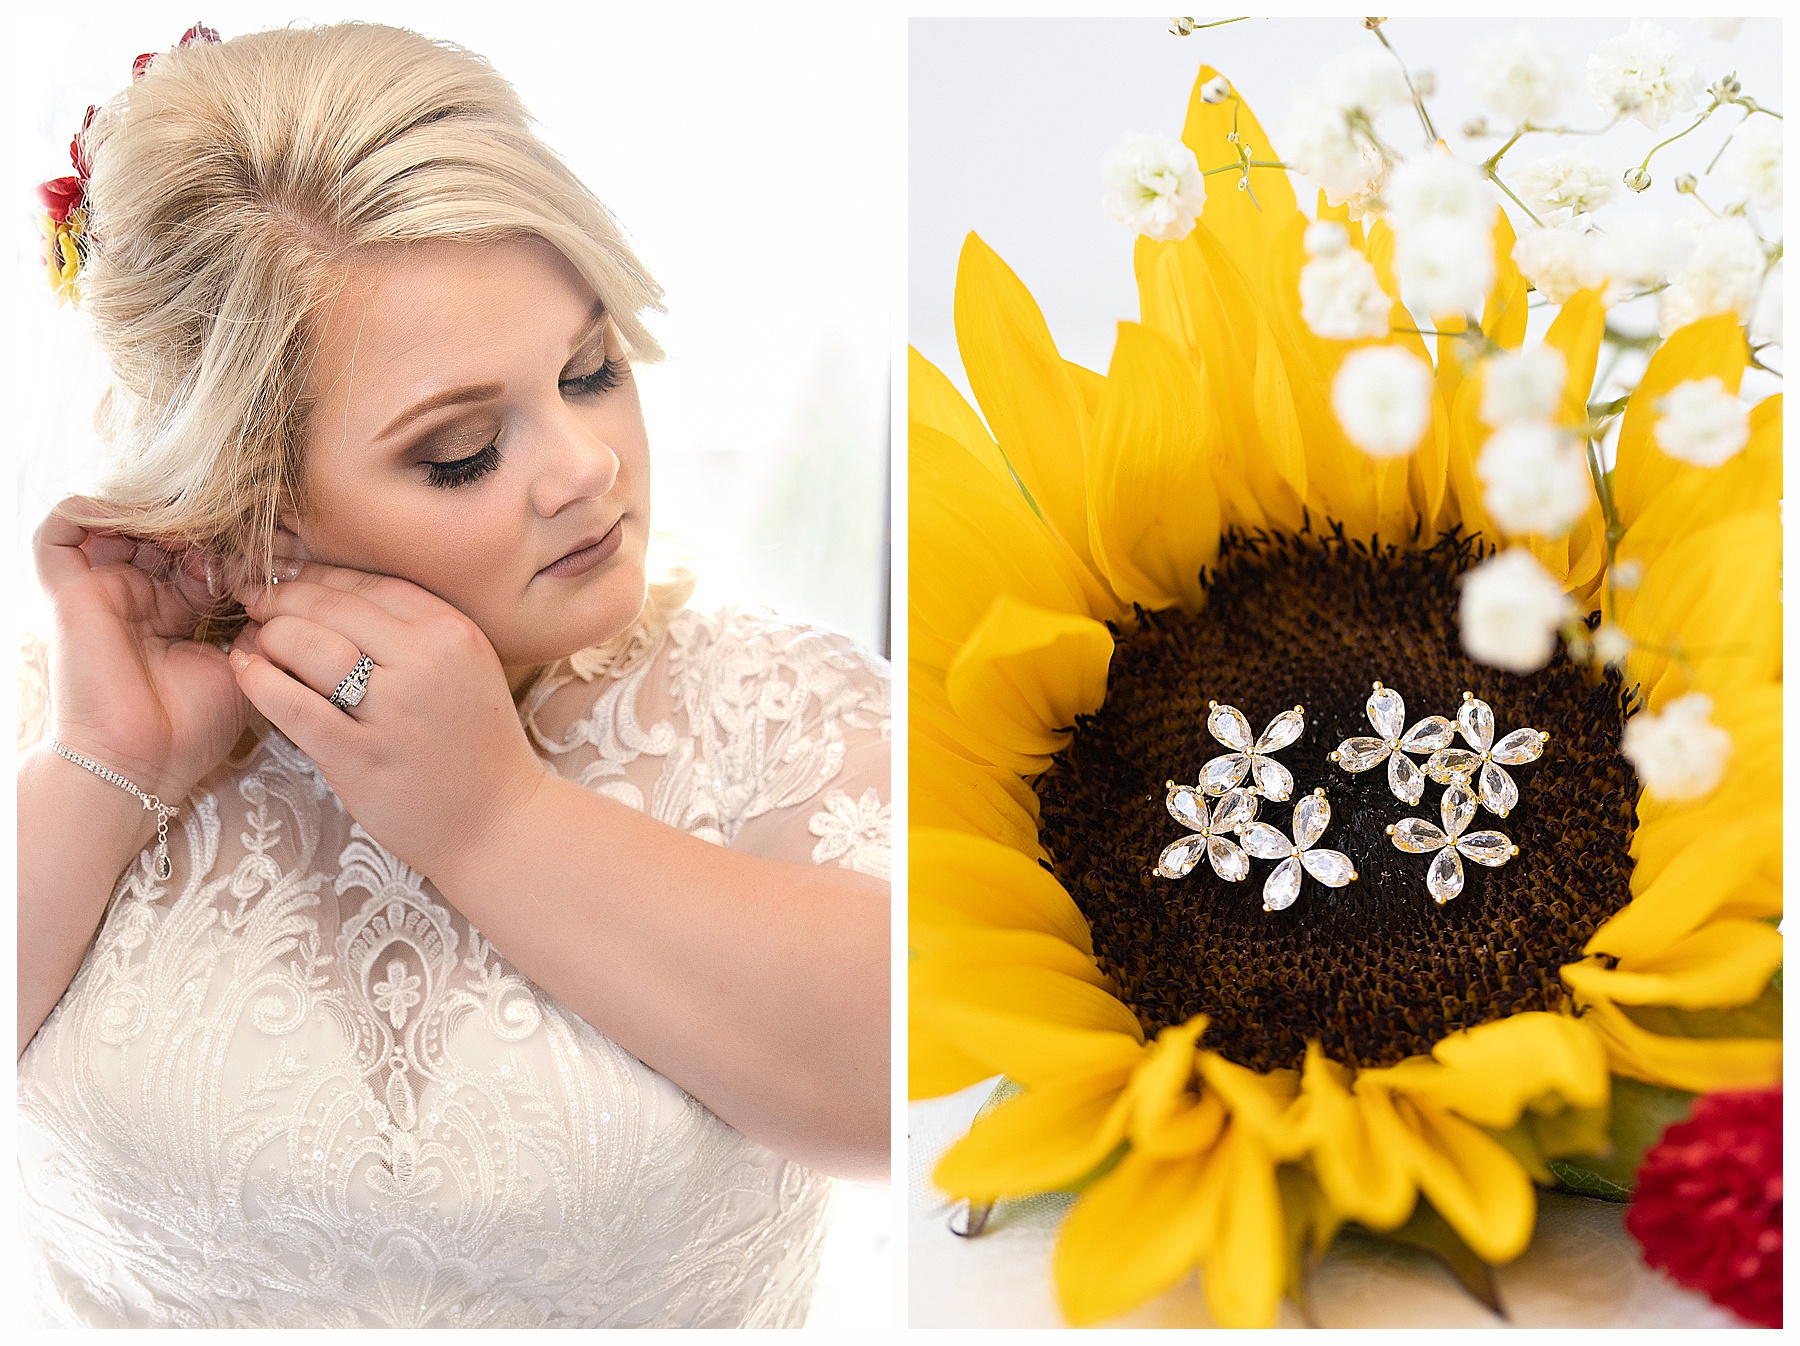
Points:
[476,430]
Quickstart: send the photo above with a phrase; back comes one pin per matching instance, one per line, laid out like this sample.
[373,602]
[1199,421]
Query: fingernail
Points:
[239,660]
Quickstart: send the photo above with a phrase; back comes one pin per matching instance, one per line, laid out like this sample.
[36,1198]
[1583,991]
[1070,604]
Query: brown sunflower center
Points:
[1376,970]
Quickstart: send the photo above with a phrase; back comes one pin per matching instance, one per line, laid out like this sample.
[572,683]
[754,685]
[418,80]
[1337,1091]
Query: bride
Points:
[422,919]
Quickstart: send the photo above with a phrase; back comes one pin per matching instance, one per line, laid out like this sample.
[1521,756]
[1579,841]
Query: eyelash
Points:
[462,471]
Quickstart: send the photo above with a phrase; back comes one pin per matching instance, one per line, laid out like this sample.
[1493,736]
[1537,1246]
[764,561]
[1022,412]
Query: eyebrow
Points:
[483,392]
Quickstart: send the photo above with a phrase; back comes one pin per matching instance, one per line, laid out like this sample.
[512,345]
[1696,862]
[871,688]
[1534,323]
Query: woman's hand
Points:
[434,757]
[128,687]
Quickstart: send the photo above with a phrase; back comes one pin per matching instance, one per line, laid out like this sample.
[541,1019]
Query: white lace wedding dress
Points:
[292,1086]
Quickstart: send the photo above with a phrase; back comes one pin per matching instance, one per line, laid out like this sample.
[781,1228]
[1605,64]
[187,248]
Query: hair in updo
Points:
[232,189]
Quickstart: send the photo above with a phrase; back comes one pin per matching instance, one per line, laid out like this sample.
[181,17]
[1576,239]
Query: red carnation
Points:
[60,198]
[1708,1203]
[77,153]
[198,33]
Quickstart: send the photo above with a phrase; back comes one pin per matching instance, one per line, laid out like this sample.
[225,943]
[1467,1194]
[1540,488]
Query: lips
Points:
[588,555]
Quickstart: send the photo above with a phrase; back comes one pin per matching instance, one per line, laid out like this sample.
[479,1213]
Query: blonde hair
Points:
[231,190]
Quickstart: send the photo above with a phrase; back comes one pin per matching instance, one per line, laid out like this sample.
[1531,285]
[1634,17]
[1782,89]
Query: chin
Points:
[604,607]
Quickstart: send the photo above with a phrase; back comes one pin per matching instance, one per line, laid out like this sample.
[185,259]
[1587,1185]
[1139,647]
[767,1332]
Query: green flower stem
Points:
[1698,123]
[1494,178]
[1241,165]
[1418,101]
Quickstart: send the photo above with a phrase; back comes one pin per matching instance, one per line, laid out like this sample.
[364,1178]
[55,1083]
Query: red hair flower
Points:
[198,33]
[1708,1203]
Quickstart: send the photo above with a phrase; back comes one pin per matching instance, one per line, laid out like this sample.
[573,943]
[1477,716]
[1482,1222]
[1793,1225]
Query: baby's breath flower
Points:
[1611,644]
[1324,238]
[1215,90]
[1521,79]
[1642,74]
[1722,272]
[1435,188]
[1629,573]
[1364,80]
[1752,162]
[1523,385]
[1510,612]
[1558,262]
[1635,253]
[1382,397]
[1535,479]
[1444,265]
[1340,296]
[1562,186]
[1153,184]
[1701,422]
[1720,30]
[1317,139]
[1679,754]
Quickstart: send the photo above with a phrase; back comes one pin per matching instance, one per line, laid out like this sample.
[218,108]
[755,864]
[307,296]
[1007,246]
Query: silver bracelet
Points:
[151,802]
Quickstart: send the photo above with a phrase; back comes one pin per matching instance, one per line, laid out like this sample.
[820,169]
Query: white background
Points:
[754,159]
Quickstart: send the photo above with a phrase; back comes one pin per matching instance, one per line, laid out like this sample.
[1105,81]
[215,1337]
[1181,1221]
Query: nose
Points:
[574,462]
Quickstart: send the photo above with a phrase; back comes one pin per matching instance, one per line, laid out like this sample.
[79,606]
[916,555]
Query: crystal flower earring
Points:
[1387,712]
[1331,868]
[1211,836]
[1475,718]
[1416,836]
[1228,725]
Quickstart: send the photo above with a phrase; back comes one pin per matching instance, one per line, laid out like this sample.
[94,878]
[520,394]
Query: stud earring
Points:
[1416,836]
[1211,836]
[1250,758]
[1475,719]
[1331,868]
[1387,712]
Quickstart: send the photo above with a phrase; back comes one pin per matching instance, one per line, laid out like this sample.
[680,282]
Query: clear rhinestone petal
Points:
[1418,836]
[1476,720]
[1448,764]
[1498,793]
[1331,868]
[1405,779]
[1489,848]
[1228,862]
[1311,815]
[1282,730]
[1180,857]
[1236,808]
[1228,725]
[1444,880]
[1272,778]
[1429,734]
[1387,712]
[1282,886]
[1359,754]
[1520,746]
[1224,773]
[1187,806]
[1456,808]
[1266,843]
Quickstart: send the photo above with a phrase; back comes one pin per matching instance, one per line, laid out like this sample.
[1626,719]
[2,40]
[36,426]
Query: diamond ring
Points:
[350,691]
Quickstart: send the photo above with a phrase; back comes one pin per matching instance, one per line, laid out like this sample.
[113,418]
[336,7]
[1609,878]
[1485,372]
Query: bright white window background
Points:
[752,157]
[1008,120]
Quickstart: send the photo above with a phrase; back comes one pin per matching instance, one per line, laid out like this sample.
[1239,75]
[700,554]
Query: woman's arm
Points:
[761,986]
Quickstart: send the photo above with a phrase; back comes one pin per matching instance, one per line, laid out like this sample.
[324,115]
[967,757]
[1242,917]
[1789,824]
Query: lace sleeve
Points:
[34,691]
[738,727]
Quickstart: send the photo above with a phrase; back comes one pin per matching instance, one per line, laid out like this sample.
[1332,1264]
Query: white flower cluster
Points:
[1522,79]
[1511,611]
[1340,296]
[1679,754]
[1561,186]
[1382,397]
[1752,162]
[1329,133]
[1701,422]
[1443,219]
[1534,476]
[1721,272]
[1643,75]
[1154,185]
[1633,256]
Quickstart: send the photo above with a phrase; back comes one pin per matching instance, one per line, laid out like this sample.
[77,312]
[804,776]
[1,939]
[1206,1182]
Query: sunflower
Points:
[1096,558]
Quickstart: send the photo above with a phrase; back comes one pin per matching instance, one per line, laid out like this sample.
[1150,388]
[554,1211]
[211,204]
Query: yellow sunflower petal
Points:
[1256,1099]
[1168,1118]
[1748,482]
[1244,1269]
[1491,1073]
[1040,1140]
[1725,962]
[1023,676]
[973,536]
[1032,1025]
[961,879]
[933,401]
[1578,332]
[1470,1178]
[976,948]
[935,1065]
[1153,509]
[1752,716]
[1715,597]
[1246,223]
[945,788]
[1713,346]
[1503,315]
[1133,1234]
[1696,884]
[1702,1065]
[1031,404]
[1362,1176]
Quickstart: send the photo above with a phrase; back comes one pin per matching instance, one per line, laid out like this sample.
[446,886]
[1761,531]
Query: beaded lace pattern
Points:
[292,1085]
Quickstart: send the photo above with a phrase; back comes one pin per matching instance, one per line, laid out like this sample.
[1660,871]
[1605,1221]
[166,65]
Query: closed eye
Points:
[610,374]
[462,471]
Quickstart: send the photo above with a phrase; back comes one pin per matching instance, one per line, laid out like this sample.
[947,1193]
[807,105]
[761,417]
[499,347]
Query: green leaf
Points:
[1430,1233]
[1640,1114]
[1761,1018]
